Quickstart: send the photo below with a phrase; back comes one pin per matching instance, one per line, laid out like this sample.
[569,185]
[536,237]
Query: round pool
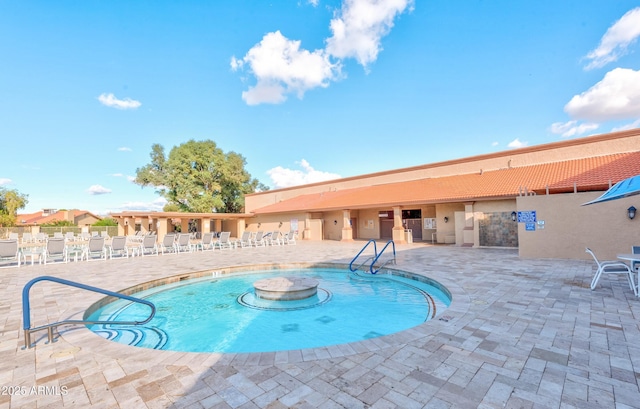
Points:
[219,311]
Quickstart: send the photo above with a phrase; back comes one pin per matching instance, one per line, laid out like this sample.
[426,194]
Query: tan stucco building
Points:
[468,202]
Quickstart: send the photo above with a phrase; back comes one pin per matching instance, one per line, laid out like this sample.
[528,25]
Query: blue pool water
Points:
[222,314]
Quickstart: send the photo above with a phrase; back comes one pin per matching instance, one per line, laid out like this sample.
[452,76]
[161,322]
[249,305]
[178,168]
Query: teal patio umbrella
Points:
[624,188]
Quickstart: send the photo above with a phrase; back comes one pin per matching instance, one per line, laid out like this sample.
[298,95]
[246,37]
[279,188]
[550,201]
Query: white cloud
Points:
[155,206]
[572,128]
[5,181]
[284,177]
[359,27]
[110,100]
[124,149]
[281,67]
[616,40]
[617,96]
[632,125]
[118,175]
[494,143]
[314,3]
[516,143]
[98,190]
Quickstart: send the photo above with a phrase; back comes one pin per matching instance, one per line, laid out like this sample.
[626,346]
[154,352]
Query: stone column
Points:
[347,230]
[398,228]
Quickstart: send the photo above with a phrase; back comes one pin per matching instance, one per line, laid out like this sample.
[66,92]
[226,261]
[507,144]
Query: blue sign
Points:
[527,216]
[530,226]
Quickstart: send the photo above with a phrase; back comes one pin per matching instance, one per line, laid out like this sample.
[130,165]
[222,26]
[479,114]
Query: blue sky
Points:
[304,90]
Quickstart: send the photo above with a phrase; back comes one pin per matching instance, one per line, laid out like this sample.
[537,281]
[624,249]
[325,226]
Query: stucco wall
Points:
[570,227]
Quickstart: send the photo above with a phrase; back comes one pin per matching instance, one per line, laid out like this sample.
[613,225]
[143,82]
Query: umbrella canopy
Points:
[624,188]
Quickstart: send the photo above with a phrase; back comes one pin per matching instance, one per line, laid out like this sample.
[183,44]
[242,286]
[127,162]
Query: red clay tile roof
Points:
[38,218]
[588,174]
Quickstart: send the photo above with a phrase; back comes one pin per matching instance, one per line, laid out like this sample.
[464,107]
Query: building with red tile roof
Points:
[79,218]
[471,201]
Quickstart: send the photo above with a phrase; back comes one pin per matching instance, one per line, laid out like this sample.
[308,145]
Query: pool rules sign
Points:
[528,217]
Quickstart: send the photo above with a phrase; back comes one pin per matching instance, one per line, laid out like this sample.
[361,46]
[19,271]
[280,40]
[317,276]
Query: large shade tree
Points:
[10,202]
[197,176]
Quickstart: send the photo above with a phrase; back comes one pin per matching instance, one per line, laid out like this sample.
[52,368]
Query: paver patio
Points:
[520,333]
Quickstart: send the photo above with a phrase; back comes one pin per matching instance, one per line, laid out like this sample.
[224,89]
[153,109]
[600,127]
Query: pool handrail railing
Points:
[375,255]
[26,309]
[393,260]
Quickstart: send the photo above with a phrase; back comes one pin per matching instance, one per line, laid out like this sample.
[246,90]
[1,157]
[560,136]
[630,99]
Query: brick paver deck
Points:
[519,334]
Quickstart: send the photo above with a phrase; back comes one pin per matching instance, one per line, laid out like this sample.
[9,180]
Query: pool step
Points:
[139,336]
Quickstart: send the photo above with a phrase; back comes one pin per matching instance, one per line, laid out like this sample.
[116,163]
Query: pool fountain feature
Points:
[286,288]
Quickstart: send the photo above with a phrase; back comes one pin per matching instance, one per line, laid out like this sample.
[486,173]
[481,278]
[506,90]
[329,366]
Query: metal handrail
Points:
[375,254]
[379,254]
[26,309]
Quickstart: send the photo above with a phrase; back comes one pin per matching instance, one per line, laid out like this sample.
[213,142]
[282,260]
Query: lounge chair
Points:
[168,244]
[118,247]
[149,246]
[85,236]
[27,238]
[69,236]
[223,241]
[275,239]
[9,251]
[206,243]
[14,236]
[42,237]
[258,241]
[611,267]
[58,235]
[244,240]
[95,248]
[290,238]
[55,251]
[183,244]
[635,264]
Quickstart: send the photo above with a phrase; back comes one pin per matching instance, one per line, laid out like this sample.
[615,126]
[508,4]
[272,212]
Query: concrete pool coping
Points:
[519,333]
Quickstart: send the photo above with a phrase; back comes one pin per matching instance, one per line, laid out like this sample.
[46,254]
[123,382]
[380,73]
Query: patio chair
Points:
[42,237]
[55,251]
[27,238]
[635,264]
[223,241]
[244,240]
[275,239]
[258,241]
[95,248]
[183,244]
[118,247]
[69,236]
[58,235]
[168,244]
[14,236]
[9,251]
[206,243]
[611,267]
[290,238]
[149,246]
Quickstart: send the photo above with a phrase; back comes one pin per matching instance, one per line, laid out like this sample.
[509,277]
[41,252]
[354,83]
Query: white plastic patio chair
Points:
[244,240]
[223,241]
[206,243]
[55,251]
[635,264]
[9,251]
[258,241]
[118,247]
[183,244]
[290,238]
[149,245]
[611,267]
[96,247]
[168,244]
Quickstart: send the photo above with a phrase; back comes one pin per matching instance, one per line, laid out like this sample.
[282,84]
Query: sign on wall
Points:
[528,216]
[429,223]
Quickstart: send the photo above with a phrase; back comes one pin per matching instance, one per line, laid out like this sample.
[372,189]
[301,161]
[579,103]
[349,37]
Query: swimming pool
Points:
[219,312]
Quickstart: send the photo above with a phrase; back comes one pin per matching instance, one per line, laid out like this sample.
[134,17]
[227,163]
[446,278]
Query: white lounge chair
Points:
[611,267]
[168,244]
[9,251]
[290,238]
[55,251]
[96,247]
[206,243]
[69,236]
[118,247]
[27,238]
[223,241]
[635,264]
[183,244]
[258,240]
[58,235]
[14,236]
[149,246]
[244,240]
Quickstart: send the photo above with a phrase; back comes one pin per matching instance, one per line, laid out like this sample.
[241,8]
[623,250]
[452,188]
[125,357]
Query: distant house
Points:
[80,218]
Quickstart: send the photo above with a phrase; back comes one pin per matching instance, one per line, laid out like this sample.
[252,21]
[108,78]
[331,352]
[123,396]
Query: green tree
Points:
[10,202]
[107,221]
[197,176]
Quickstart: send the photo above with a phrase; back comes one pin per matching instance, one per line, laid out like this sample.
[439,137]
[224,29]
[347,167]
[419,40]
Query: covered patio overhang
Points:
[163,222]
